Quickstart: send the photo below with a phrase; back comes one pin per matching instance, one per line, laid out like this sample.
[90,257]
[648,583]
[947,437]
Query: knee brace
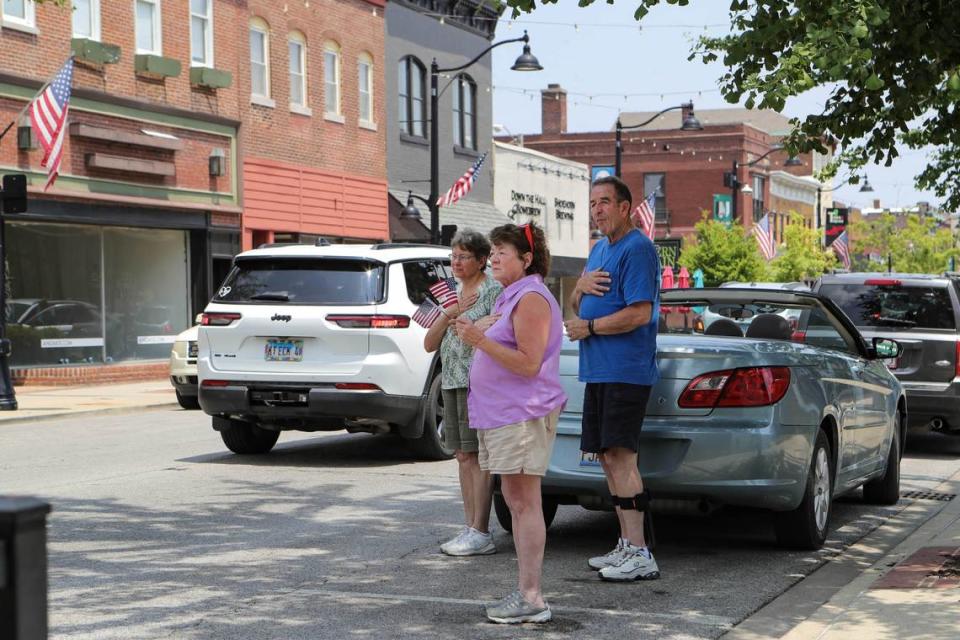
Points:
[639,502]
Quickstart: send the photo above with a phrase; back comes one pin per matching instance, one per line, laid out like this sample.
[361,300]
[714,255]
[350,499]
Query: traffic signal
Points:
[14,194]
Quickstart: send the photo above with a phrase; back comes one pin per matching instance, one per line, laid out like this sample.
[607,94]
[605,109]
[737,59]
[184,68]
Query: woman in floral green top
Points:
[477,292]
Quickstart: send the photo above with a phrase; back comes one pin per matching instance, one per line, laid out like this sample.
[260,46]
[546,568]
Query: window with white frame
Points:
[259,58]
[464,112]
[297,46]
[147,16]
[19,13]
[412,86]
[201,33]
[365,84]
[86,19]
[331,78]
[759,203]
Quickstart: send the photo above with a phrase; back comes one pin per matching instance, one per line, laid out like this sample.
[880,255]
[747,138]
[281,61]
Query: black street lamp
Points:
[732,179]
[13,199]
[526,62]
[690,123]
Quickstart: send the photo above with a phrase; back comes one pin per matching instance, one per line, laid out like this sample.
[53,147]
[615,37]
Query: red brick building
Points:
[313,141]
[115,259]
[686,167]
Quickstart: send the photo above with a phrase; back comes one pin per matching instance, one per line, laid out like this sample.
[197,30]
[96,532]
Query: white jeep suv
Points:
[320,338]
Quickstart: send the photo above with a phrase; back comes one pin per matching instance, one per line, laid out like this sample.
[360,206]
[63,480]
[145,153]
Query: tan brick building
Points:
[685,167]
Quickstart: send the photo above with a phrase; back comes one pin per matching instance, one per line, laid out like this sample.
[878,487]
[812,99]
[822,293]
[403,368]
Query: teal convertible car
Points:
[784,416]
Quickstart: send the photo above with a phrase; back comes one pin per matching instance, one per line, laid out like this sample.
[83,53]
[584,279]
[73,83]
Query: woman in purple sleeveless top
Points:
[515,399]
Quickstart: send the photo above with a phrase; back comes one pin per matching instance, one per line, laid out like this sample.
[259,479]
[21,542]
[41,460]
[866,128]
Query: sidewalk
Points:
[892,584]
[42,403]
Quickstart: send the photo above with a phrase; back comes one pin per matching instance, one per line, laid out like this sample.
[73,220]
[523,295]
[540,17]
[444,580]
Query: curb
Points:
[87,413]
[806,609]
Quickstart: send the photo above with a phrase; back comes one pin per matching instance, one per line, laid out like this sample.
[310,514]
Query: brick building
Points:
[452,32]
[686,168]
[117,256]
[312,103]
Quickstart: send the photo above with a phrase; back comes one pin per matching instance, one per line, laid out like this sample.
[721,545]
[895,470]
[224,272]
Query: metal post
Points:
[735,188]
[8,397]
[819,213]
[23,568]
[616,169]
[434,156]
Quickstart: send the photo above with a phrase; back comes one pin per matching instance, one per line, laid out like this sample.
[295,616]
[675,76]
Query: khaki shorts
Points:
[523,447]
[457,434]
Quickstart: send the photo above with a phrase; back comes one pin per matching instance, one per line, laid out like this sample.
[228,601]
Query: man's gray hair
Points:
[473,241]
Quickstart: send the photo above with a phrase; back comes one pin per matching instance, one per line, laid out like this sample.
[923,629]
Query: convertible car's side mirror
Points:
[886,348]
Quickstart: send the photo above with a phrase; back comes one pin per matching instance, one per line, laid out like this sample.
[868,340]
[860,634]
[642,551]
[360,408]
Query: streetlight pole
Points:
[690,123]
[526,62]
[732,179]
[866,188]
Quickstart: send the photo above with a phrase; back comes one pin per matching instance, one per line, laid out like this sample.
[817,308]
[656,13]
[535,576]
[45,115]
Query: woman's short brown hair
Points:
[516,236]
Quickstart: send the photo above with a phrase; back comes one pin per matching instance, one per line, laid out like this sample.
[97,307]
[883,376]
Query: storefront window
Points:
[82,294]
[146,291]
[54,313]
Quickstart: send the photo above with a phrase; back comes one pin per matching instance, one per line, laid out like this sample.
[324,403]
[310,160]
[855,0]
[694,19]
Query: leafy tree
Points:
[801,257]
[919,246]
[723,254]
[892,69]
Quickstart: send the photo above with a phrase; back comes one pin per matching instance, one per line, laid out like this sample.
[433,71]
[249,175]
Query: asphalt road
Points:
[158,532]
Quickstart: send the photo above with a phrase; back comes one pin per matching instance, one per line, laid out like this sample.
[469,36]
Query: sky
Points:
[607,63]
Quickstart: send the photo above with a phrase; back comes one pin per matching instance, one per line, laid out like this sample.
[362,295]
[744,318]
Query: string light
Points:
[591,25]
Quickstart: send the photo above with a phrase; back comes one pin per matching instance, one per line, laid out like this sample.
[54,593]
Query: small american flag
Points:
[426,314]
[768,244]
[445,292]
[643,215]
[841,246]
[48,114]
[462,186]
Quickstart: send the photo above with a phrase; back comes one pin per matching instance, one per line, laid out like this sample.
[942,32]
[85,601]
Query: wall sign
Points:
[668,250]
[531,205]
[564,208]
[601,171]
[722,209]
[836,224]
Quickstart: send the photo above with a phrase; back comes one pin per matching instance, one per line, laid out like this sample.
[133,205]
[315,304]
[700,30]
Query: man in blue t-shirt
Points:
[617,300]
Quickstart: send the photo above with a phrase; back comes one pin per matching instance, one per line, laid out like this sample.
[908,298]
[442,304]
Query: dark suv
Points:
[920,312]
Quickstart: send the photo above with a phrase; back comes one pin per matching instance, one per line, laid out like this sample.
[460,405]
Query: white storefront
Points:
[553,193]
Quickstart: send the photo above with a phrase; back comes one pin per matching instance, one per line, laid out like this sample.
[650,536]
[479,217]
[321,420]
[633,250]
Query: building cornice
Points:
[476,16]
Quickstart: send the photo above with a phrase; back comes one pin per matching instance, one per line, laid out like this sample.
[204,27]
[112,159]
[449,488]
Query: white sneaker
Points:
[635,565]
[473,543]
[455,539]
[610,559]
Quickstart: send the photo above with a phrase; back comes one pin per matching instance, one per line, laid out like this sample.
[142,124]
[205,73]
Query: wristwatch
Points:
[590,327]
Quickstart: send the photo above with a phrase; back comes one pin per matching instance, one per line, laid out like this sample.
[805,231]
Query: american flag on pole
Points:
[764,236]
[841,246]
[48,114]
[462,186]
[426,314]
[445,292]
[643,215]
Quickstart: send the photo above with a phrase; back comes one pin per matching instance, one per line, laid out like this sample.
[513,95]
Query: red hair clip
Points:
[529,233]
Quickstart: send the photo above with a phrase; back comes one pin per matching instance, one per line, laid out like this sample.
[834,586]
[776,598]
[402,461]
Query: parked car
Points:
[920,312]
[758,420]
[318,338]
[183,366]
[72,318]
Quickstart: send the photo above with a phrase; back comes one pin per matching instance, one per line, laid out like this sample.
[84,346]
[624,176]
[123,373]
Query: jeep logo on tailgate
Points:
[279,318]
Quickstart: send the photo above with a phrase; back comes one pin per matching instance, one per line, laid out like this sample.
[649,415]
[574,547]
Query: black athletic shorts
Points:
[613,415]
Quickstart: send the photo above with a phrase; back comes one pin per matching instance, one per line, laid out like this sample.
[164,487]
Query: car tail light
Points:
[751,387]
[357,386]
[214,383]
[798,336]
[883,282]
[217,319]
[370,322]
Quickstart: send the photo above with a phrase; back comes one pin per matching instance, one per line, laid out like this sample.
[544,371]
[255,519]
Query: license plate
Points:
[892,363]
[192,349]
[589,459]
[277,350]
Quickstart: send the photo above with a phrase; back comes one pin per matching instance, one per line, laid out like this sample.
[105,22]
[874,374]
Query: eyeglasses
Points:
[461,257]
